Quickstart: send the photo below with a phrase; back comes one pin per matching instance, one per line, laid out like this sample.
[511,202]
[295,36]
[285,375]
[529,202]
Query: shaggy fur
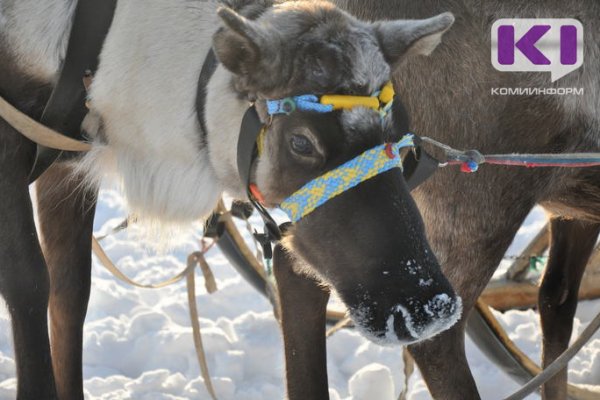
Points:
[144,127]
[145,92]
[37,33]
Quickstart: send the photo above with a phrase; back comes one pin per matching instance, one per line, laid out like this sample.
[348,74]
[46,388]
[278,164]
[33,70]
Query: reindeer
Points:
[368,243]
[471,219]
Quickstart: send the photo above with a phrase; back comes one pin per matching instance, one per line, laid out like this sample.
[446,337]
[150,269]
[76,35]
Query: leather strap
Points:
[246,154]
[66,108]
[208,69]
[418,165]
[246,150]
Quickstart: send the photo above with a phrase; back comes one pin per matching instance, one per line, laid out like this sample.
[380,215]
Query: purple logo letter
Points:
[552,45]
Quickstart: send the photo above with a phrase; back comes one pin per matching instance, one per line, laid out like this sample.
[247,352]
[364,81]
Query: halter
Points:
[369,164]
[380,101]
[320,190]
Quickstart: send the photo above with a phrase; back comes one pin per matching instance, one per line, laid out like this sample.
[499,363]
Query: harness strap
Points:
[575,160]
[369,164]
[37,132]
[306,102]
[66,108]
[246,153]
[418,166]
[188,273]
[470,160]
[208,69]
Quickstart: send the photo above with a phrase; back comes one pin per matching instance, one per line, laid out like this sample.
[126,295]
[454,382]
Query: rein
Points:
[38,133]
[470,160]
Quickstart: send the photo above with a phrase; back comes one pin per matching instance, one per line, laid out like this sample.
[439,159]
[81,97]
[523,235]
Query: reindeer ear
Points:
[404,37]
[237,44]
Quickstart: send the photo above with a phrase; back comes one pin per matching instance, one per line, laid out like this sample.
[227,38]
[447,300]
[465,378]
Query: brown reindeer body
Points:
[471,219]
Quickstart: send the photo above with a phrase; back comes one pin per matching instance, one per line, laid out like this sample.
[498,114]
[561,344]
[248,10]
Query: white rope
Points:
[37,132]
[194,259]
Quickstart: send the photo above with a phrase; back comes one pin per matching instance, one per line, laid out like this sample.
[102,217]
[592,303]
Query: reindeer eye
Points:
[301,145]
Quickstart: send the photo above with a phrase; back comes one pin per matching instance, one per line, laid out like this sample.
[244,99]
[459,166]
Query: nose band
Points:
[367,165]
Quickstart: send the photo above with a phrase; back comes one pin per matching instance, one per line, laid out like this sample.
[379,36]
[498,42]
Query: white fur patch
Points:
[145,93]
[37,33]
[158,189]
[224,113]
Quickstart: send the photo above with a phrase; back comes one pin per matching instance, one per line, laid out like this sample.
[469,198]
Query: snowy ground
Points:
[138,343]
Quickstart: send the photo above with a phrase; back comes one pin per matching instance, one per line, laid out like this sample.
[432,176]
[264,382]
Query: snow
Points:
[138,342]
[372,382]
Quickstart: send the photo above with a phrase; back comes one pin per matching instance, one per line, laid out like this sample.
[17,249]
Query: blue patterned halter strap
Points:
[367,165]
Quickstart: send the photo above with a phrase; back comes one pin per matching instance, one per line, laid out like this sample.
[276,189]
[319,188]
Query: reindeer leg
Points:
[303,317]
[469,233]
[571,245]
[66,214]
[23,274]
[436,355]
[442,359]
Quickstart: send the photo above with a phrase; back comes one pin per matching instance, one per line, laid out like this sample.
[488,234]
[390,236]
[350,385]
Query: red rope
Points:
[532,164]
[535,165]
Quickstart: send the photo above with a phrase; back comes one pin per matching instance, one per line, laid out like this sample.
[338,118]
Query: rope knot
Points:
[469,167]
[473,160]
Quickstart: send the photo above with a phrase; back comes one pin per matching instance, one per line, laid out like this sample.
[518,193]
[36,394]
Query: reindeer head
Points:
[367,243]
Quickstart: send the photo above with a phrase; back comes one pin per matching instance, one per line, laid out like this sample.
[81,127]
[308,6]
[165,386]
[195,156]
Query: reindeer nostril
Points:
[408,322]
[440,306]
[427,319]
